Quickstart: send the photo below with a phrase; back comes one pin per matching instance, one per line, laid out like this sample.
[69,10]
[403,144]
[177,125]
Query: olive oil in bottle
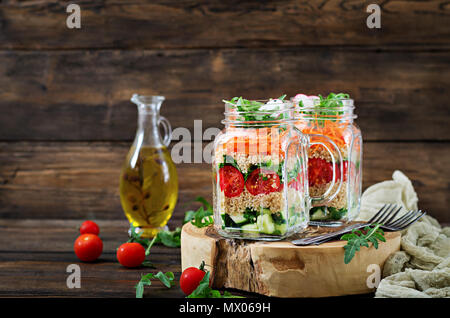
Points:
[148,180]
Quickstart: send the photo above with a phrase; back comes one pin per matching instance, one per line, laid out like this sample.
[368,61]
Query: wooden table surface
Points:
[34,256]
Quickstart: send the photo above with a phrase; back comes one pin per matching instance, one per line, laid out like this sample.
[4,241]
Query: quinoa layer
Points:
[322,153]
[237,205]
[339,201]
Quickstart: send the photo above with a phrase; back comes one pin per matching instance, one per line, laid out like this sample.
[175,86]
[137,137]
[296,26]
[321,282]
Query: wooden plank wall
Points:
[66,121]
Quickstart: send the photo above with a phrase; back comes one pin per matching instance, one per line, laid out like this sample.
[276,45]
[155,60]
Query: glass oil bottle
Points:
[148,180]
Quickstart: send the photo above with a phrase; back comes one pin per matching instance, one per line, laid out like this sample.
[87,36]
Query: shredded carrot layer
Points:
[258,141]
[334,130]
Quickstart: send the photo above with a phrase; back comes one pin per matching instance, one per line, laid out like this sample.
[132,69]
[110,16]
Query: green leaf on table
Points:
[204,291]
[166,279]
[169,238]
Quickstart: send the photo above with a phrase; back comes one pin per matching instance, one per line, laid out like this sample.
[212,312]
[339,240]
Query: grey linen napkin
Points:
[422,267]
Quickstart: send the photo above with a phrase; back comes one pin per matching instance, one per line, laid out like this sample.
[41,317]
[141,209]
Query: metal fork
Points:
[385,216]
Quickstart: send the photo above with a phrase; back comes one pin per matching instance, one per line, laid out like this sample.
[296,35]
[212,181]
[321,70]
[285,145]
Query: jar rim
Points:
[346,103]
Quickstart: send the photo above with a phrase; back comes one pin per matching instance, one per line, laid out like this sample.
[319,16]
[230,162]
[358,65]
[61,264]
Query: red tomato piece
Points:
[320,171]
[88,247]
[89,227]
[345,165]
[190,279]
[263,181]
[231,181]
[131,254]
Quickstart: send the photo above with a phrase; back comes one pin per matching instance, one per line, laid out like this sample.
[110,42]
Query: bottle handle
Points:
[317,139]
[167,130]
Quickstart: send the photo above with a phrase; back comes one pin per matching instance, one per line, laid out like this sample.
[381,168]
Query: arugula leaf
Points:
[332,101]
[166,279]
[204,291]
[357,238]
[249,110]
[203,216]
[167,238]
[135,237]
[251,215]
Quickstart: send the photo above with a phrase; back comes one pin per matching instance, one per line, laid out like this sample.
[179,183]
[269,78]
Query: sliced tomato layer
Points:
[345,165]
[262,181]
[231,181]
[320,171]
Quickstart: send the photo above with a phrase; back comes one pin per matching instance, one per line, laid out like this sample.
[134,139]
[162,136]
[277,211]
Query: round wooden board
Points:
[282,269]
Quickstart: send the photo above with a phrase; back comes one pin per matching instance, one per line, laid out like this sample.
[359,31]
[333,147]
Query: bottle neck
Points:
[148,130]
[147,133]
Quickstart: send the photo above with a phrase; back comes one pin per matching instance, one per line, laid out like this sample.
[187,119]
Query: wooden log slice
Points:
[282,269]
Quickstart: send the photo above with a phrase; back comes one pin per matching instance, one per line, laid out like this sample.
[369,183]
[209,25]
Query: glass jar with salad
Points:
[260,188]
[333,117]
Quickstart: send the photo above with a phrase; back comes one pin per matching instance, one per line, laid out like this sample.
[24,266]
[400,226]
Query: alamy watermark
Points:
[73,21]
[373,280]
[373,21]
[74,278]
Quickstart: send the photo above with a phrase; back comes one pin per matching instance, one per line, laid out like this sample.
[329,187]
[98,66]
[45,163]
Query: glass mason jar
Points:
[259,168]
[332,117]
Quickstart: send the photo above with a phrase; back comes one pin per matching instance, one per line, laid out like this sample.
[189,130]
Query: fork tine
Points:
[402,218]
[313,239]
[383,220]
[388,221]
[372,220]
[414,220]
[412,216]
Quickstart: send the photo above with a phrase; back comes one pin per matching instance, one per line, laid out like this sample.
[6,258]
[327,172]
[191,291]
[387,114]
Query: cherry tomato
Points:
[131,254]
[231,181]
[320,171]
[88,247]
[89,227]
[190,279]
[263,181]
